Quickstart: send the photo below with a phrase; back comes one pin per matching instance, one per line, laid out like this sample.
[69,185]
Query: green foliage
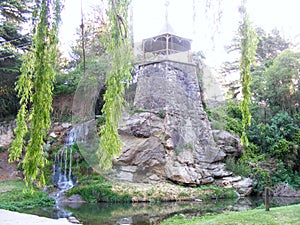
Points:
[11,44]
[282,83]
[269,46]
[281,148]
[248,48]
[234,125]
[188,146]
[177,150]
[16,201]
[118,47]
[35,86]
[238,168]
[278,138]
[216,192]
[13,198]
[274,131]
[66,83]
[97,189]
[284,175]
[95,193]
[2,149]
[13,10]
[161,114]
[252,165]
[227,118]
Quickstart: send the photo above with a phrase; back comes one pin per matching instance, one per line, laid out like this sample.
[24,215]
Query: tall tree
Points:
[34,89]
[269,46]
[282,83]
[12,45]
[248,43]
[14,10]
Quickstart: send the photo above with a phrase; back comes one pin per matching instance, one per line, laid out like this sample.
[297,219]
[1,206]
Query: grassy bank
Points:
[163,192]
[95,189]
[14,197]
[278,215]
[98,189]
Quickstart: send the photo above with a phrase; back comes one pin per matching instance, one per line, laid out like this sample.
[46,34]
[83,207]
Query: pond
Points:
[147,213]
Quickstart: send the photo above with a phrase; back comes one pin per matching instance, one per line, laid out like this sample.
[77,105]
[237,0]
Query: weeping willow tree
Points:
[118,46]
[248,44]
[34,88]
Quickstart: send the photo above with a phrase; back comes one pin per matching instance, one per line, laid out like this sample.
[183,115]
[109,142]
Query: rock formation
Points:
[6,133]
[168,136]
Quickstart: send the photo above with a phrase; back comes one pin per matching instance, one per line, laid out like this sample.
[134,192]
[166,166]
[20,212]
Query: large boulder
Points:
[153,152]
[284,190]
[229,143]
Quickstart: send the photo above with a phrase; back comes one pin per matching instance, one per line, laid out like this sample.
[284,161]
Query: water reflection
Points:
[146,213]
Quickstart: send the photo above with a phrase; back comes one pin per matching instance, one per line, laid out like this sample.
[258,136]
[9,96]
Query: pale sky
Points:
[188,19]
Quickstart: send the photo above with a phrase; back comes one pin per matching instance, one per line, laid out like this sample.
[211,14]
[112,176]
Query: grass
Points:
[14,197]
[163,192]
[279,215]
[95,189]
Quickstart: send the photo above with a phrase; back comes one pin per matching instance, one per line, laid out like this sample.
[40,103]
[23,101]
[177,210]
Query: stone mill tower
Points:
[168,136]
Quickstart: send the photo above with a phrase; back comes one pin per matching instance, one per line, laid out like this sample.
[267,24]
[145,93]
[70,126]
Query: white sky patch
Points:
[149,19]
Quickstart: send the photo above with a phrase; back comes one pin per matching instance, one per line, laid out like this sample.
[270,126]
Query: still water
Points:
[146,213]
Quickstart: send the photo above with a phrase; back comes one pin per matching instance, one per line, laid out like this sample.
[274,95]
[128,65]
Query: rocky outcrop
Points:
[168,136]
[243,186]
[228,142]
[284,190]
[6,133]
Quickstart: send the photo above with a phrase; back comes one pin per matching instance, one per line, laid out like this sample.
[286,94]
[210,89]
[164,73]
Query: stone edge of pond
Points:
[16,218]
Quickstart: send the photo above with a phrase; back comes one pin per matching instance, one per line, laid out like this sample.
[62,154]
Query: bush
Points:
[98,193]
[237,167]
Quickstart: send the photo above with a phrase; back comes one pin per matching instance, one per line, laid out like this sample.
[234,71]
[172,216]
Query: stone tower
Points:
[168,136]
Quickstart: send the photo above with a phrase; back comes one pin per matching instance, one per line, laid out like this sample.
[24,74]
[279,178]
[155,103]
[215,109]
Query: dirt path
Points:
[15,218]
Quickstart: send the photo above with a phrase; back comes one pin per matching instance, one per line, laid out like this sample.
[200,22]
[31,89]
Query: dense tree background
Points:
[13,43]
[273,153]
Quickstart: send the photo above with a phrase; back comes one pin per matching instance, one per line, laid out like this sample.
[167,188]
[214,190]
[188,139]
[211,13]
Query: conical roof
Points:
[166,41]
[167,29]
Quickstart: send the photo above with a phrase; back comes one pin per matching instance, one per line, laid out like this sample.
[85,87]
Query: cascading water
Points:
[62,172]
[63,175]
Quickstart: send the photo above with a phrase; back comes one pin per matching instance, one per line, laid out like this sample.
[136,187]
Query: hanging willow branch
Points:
[248,49]
[118,47]
[34,88]
[83,42]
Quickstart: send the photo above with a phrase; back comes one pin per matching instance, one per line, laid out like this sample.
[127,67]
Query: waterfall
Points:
[62,171]
[63,175]
[63,168]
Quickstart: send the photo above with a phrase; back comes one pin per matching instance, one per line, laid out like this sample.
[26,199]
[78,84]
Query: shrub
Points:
[98,193]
